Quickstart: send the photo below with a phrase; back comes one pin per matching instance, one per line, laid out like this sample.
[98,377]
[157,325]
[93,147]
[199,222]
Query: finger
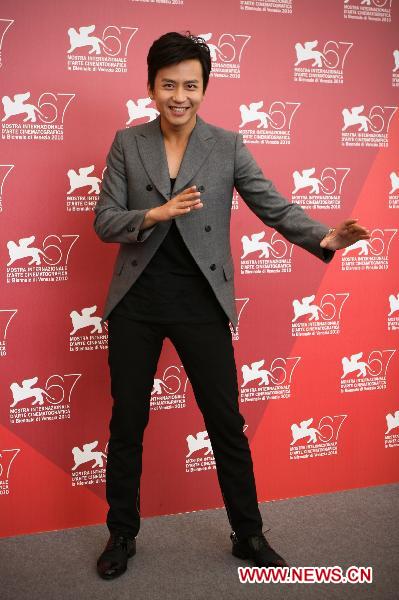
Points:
[186,203]
[353,231]
[185,197]
[359,234]
[189,190]
[359,229]
[183,209]
[194,207]
[349,222]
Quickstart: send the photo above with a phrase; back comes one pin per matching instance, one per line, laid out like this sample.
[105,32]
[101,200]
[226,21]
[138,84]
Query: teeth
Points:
[175,109]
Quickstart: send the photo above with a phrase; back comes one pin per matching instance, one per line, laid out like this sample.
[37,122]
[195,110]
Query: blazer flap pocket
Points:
[228,269]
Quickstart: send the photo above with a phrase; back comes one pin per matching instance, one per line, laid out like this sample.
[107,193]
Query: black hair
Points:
[172,48]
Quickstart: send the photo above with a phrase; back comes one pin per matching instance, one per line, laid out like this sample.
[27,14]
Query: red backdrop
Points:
[313,88]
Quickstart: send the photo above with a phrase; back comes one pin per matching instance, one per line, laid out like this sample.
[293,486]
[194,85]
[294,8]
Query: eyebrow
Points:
[173,80]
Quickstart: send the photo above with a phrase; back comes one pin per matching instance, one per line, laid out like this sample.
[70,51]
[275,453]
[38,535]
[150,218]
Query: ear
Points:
[150,92]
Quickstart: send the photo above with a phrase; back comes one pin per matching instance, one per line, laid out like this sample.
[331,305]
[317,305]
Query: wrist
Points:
[149,219]
[329,232]
[153,215]
[324,241]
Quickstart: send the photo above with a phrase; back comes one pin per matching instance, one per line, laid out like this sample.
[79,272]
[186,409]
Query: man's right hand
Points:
[187,200]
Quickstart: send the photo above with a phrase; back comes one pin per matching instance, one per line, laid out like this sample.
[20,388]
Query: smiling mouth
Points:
[178,109]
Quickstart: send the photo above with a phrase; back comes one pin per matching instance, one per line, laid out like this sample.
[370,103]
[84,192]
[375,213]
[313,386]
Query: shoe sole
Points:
[245,555]
[109,577]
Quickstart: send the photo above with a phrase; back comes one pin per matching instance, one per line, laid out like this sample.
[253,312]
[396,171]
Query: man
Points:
[166,199]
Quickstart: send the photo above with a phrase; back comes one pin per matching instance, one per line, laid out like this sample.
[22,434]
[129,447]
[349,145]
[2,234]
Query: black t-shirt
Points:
[172,288]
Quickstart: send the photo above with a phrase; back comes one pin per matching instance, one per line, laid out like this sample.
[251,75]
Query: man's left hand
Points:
[345,234]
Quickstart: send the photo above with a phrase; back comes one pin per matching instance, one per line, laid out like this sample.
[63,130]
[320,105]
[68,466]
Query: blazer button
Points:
[201,188]
[131,228]
[149,187]
[208,227]
[134,263]
[212,267]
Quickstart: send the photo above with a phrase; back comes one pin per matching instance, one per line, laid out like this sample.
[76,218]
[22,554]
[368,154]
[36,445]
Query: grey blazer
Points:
[216,160]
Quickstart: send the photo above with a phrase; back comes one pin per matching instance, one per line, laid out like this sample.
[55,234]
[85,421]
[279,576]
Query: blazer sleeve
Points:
[113,221]
[274,210]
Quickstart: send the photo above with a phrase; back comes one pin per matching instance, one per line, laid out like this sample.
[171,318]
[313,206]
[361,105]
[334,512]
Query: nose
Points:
[179,94]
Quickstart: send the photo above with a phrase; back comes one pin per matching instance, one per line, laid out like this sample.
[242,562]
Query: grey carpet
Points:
[187,556]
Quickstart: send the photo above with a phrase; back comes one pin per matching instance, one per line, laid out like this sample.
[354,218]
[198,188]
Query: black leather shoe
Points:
[258,549]
[113,561]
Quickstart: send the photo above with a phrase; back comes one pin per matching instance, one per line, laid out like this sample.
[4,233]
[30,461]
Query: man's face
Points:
[178,93]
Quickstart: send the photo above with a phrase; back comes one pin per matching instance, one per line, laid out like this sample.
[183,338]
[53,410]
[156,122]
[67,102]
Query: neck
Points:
[175,134]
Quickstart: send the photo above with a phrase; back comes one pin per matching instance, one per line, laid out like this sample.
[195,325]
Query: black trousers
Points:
[207,354]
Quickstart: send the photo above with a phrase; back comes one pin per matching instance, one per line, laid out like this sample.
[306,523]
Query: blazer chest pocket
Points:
[228,269]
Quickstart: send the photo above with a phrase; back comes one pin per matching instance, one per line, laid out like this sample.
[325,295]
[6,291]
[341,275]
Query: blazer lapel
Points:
[199,146]
[152,153]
